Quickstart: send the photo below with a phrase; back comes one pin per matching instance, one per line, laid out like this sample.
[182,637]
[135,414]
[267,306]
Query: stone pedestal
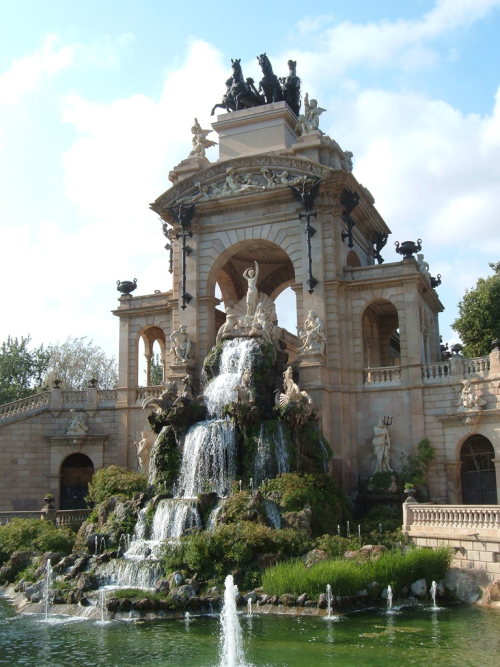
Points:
[187,168]
[263,129]
[179,371]
[408,514]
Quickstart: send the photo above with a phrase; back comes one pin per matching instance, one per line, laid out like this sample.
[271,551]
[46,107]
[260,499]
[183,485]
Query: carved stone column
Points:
[454,482]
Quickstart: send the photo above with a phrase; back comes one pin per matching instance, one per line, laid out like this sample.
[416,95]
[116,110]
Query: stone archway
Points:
[76,473]
[479,486]
[276,274]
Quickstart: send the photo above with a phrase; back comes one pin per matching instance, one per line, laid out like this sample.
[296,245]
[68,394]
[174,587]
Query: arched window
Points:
[479,484]
[151,351]
[76,473]
[381,347]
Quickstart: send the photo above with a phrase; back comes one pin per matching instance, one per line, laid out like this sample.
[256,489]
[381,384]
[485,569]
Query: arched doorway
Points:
[76,473]
[478,471]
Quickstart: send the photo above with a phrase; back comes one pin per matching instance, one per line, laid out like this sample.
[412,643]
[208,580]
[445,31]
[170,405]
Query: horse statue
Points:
[269,85]
[243,92]
[290,86]
[228,102]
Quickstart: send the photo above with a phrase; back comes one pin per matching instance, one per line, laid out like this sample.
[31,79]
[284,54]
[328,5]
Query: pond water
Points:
[457,635]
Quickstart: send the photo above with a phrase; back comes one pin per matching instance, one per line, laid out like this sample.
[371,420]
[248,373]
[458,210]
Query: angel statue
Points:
[309,121]
[200,141]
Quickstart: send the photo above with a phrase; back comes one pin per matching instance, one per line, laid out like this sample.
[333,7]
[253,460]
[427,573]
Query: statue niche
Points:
[254,315]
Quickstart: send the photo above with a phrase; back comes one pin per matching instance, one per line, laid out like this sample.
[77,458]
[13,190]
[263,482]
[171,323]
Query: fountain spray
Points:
[329,601]
[231,641]
[389,598]
[433,594]
[48,582]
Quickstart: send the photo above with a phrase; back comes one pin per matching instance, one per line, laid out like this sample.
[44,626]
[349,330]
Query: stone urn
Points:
[410,493]
[408,248]
[126,287]
[48,511]
[456,349]
[495,344]
[49,501]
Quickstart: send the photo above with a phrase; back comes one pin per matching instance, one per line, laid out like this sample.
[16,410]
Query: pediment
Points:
[244,176]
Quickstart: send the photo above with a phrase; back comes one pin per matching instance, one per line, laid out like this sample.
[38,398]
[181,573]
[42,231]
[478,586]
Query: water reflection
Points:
[416,636]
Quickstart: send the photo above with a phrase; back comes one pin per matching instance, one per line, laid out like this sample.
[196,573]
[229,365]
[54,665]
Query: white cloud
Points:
[434,173]
[399,44]
[27,74]
[117,165]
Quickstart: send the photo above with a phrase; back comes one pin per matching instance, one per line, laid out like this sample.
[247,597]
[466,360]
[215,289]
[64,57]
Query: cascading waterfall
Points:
[231,640]
[129,573]
[173,517]
[236,358]
[212,517]
[209,459]
[208,464]
[271,458]
[272,513]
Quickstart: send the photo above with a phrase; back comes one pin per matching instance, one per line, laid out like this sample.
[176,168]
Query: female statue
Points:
[251,276]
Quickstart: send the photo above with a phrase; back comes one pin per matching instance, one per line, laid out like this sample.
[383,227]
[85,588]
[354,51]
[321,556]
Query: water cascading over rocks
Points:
[253,423]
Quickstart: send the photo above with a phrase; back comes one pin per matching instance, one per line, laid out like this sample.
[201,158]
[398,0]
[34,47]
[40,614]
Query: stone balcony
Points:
[472,531]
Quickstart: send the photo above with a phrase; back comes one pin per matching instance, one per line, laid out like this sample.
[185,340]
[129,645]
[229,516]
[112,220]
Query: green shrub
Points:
[33,535]
[414,466]
[292,492]
[346,577]
[234,545]
[390,517]
[115,481]
[336,546]
[166,457]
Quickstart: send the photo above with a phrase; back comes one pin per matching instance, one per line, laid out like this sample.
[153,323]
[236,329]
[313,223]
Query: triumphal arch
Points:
[280,208]
[284,195]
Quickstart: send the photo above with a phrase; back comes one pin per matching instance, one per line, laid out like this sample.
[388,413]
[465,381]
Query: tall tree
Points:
[21,370]
[479,315]
[156,370]
[76,361]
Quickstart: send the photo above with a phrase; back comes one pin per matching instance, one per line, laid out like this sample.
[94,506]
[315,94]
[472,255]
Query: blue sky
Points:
[96,102]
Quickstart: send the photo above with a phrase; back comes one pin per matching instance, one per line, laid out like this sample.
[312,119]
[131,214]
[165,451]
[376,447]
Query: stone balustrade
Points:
[472,531]
[108,396]
[144,392]
[382,375]
[64,518]
[436,372]
[476,366]
[73,398]
[23,405]
[57,400]
[452,517]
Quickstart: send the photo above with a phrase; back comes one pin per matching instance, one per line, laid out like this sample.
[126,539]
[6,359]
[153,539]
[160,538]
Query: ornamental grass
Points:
[397,568]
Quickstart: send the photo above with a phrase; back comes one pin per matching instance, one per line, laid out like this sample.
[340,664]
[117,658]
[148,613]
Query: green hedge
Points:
[33,535]
[346,577]
[115,481]
[235,545]
[293,492]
